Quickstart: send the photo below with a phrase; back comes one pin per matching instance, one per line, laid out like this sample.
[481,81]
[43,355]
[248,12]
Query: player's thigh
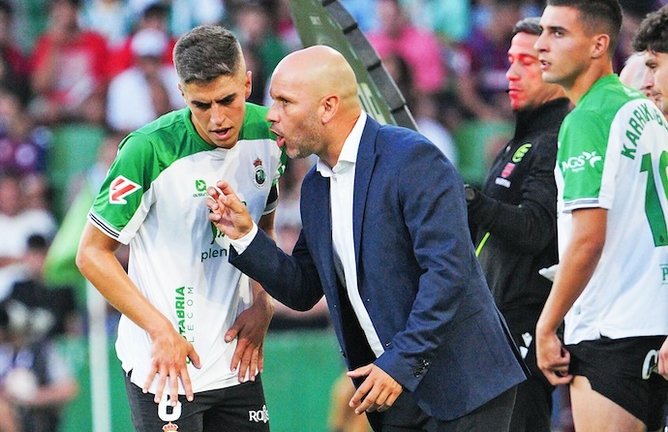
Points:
[241,409]
[147,416]
[593,412]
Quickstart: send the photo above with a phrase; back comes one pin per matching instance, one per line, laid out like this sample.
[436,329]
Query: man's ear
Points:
[248,84]
[330,105]
[601,43]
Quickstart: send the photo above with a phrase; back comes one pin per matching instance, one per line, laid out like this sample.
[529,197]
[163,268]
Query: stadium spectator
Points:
[188,301]
[147,90]
[514,216]
[186,14]
[14,66]
[258,38]
[17,224]
[33,291]
[609,175]
[35,380]
[23,146]
[403,294]
[69,69]
[481,66]
[111,18]
[421,49]
[154,16]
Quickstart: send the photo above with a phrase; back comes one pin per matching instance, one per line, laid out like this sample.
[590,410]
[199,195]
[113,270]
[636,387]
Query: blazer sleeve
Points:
[432,202]
[292,280]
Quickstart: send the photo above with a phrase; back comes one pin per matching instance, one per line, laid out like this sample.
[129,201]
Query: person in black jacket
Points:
[513,217]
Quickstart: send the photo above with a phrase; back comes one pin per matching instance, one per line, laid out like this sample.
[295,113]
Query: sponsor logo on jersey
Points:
[651,364]
[184,309]
[260,176]
[259,416]
[664,274]
[521,152]
[120,188]
[508,170]
[580,162]
[200,188]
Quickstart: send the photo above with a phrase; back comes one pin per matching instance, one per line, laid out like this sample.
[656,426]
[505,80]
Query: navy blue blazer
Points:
[445,341]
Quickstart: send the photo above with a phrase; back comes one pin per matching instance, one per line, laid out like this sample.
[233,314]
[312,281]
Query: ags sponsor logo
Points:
[580,162]
[120,188]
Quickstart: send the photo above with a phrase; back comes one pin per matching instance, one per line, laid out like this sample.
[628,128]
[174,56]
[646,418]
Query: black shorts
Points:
[624,371]
[240,408]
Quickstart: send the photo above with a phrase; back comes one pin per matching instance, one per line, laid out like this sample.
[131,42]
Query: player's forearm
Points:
[100,266]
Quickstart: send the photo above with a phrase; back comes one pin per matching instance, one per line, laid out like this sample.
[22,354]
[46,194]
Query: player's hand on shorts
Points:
[250,329]
[378,392]
[168,362]
[552,358]
[663,360]
[227,212]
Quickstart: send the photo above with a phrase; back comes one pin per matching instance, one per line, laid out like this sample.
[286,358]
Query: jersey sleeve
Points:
[124,199]
[583,141]
[272,199]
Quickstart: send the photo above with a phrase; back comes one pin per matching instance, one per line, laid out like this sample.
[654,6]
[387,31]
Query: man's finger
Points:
[368,401]
[359,394]
[360,371]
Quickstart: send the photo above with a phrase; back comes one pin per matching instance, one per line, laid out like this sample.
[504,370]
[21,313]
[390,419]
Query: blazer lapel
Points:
[318,221]
[364,165]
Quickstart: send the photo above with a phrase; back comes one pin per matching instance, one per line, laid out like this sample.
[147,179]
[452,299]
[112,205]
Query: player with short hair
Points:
[182,302]
[613,240]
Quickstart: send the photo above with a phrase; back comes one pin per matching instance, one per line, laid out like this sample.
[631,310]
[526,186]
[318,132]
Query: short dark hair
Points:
[530,25]
[597,15]
[205,53]
[652,34]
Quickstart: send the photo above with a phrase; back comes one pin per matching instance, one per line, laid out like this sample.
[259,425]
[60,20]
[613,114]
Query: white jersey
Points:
[613,154]
[154,200]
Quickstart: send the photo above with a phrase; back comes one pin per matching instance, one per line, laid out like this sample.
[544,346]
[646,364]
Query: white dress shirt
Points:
[342,179]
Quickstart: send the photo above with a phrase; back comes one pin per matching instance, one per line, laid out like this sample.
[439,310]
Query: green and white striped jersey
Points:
[613,154]
[154,200]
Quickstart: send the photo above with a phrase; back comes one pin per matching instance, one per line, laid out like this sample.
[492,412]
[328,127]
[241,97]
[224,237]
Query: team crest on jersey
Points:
[120,188]
[260,176]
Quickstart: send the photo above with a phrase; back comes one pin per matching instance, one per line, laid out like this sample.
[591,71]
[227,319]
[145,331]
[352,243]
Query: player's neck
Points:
[586,80]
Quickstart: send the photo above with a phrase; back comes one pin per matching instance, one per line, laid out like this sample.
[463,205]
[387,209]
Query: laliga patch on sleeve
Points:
[120,188]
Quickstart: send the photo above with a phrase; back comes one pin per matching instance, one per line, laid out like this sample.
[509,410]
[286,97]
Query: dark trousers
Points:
[493,416]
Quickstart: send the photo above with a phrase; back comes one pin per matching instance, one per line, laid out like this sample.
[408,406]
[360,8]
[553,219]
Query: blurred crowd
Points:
[77,75]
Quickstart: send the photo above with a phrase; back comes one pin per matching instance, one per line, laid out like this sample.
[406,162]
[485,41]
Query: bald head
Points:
[320,71]
[315,102]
